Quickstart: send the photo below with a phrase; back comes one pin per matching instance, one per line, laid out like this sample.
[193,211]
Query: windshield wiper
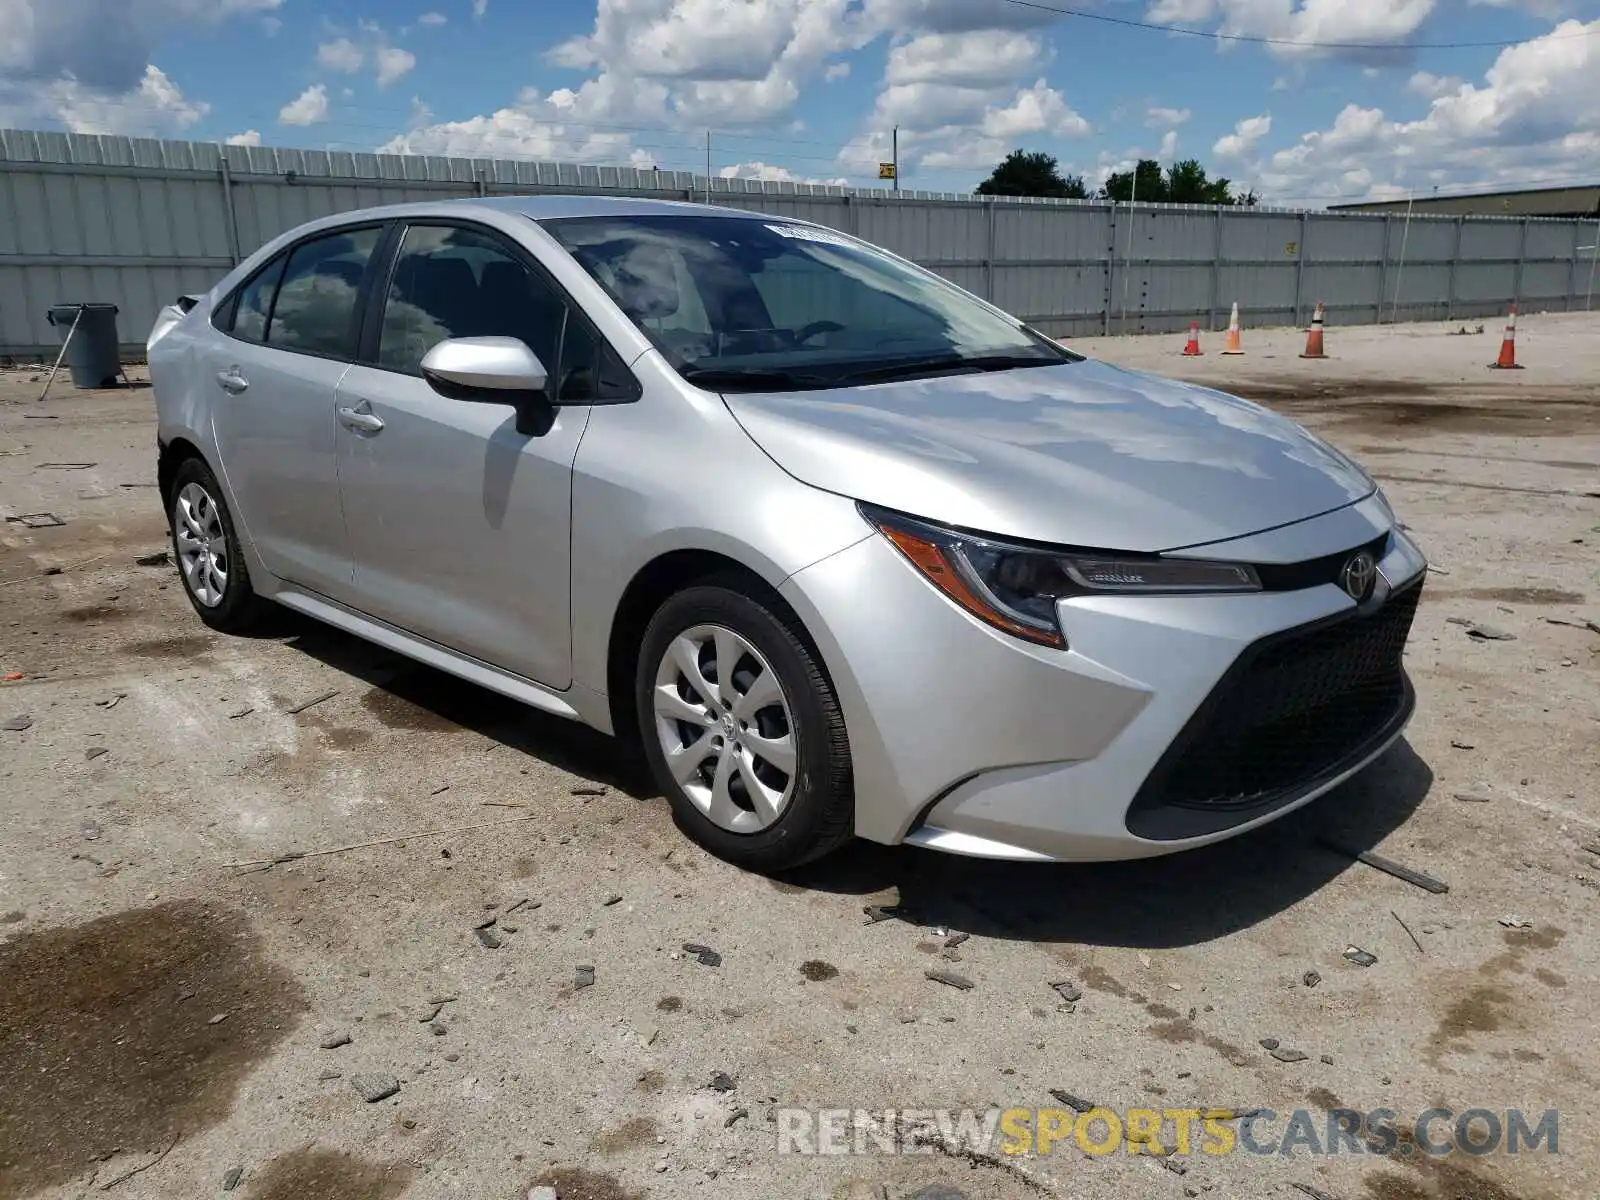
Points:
[945,363]
[753,379]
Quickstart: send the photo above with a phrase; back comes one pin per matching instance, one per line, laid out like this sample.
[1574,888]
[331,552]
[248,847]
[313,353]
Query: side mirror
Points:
[493,370]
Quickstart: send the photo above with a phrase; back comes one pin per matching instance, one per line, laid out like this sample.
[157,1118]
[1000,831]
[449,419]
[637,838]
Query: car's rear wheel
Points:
[206,546]
[742,729]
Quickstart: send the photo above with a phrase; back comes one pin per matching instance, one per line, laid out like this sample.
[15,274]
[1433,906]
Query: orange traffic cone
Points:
[1314,336]
[1231,344]
[1192,348]
[1508,346]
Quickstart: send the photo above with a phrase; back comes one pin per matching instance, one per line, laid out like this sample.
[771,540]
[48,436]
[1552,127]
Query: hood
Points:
[1083,454]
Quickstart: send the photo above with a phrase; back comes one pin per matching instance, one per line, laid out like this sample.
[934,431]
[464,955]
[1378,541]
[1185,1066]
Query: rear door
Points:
[288,336]
[460,526]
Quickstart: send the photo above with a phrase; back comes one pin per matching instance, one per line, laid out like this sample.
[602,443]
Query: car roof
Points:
[542,208]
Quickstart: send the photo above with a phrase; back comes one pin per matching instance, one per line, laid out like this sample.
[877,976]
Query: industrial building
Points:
[1580,201]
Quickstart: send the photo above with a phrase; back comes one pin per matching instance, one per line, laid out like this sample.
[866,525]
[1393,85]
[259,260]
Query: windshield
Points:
[741,304]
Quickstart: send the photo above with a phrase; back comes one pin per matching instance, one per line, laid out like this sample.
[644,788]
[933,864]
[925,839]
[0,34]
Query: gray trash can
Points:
[93,353]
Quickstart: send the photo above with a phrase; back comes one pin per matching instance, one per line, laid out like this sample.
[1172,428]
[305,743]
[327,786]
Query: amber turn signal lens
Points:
[937,568]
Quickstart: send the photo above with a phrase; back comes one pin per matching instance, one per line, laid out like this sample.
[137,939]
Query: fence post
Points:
[1216,274]
[1450,285]
[1522,254]
[1300,268]
[988,258]
[1383,270]
[1111,269]
[230,219]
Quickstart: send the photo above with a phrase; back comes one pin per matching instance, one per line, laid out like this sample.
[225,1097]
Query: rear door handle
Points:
[365,421]
[232,381]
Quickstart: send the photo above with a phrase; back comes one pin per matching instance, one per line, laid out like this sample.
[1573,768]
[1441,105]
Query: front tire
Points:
[205,546]
[742,730]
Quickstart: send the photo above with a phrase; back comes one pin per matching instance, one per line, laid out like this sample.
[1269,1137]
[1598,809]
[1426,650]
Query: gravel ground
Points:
[164,1011]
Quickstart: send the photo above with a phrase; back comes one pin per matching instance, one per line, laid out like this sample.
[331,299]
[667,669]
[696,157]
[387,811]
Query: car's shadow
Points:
[1174,900]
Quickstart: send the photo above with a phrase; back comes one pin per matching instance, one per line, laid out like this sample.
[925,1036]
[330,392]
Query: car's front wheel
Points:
[206,546]
[742,729]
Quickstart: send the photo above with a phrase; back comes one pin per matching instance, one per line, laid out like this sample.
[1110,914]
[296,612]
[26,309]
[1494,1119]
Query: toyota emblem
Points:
[1358,575]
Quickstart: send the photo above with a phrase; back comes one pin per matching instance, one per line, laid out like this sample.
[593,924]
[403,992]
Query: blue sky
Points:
[810,89]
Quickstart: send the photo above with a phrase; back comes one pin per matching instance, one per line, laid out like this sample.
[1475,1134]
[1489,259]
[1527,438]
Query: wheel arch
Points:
[651,586]
[173,454]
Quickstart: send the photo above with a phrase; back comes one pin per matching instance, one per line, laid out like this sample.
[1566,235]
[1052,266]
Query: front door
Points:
[290,337]
[459,525]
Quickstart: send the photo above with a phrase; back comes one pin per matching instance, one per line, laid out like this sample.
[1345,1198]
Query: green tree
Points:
[1184,182]
[1032,173]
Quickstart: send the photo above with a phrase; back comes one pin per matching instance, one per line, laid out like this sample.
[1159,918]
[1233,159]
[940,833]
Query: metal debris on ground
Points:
[589,790]
[1591,626]
[94,752]
[18,723]
[311,703]
[1359,956]
[1387,865]
[738,1114]
[1269,1043]
[244,710]
[525,902]
[1458,744]
[65,466]
[705,954]
[1515,922]
[950,979]
[1318,1193]
[1076,1103]
[373,1088]
[955,939]
[582,977]
[388,841]
[1285,1055]
[443,787]
[1409,934]
[157,558]
[721,1081]
[1067,990]
[230,1179]
[1311,979]
[38,520]
[1482,633]
[1474,798]
[882,912]
[91,833]
[334,1040]
[1327,1060]
[614,898]
[487,938]
[112,700]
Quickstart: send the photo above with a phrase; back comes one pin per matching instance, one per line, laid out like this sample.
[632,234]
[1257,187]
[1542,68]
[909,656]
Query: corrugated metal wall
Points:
[138,222]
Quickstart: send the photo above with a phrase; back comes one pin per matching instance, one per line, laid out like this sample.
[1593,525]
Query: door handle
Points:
[366,422]
[232,381]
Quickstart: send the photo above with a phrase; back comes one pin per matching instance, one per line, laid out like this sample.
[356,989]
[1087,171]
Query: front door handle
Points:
[364,421]
[232,381]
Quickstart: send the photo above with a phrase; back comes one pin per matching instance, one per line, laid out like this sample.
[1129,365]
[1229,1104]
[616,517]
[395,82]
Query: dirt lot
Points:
[161,1011]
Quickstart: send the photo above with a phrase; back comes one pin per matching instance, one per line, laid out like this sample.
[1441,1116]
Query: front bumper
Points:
[967,740]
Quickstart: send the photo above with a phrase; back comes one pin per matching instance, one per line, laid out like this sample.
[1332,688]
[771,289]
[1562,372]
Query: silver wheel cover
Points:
[726,728]
[202,544]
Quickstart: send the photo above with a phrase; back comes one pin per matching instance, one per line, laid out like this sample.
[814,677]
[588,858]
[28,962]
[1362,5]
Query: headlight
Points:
[1015,588]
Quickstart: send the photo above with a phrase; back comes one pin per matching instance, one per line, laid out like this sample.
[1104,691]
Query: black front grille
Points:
[1296,709]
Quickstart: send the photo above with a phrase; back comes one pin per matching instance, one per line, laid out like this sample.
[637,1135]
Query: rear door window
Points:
[317,303]
[253,304]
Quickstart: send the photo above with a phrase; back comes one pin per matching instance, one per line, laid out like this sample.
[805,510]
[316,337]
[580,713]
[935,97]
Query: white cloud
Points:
[155,107]
[393,63]
[771,173]
[1433,86]
[836,70]
[104,45]
[1298,25]
[1039,109]
[250,137]
[1245,135]
[1534,117]
[981,58]
[308,108]
[1169,146]
[272,26]
[536,126]
[1166,118]
[479,7]
[341,54]
[432,18]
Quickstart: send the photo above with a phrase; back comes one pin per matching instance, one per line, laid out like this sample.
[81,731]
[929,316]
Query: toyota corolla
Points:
[847,550]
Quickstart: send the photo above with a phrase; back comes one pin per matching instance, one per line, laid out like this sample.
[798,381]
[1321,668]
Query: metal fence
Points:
[138,222]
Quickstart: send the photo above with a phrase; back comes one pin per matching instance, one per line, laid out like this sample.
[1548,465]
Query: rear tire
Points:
[742,729]
[205,546]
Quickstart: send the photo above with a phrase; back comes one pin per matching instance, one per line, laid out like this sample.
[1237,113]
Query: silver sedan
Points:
[848,550]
